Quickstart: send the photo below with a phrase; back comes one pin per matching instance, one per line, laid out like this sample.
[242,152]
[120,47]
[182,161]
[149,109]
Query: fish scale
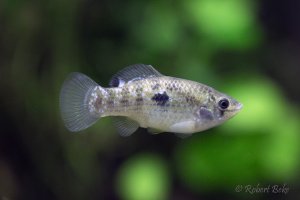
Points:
[140,96]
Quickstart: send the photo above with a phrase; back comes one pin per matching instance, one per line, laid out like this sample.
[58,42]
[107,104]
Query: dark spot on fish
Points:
[156,86]
[124,101]
[169,87]
[110,102]
[110,93]
[138,89]
[124,91]
[161,99]
[174,87]
[190,99]
[98,103]
[139,100]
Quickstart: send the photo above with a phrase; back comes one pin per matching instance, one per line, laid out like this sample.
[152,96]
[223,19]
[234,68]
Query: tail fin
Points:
[74,105]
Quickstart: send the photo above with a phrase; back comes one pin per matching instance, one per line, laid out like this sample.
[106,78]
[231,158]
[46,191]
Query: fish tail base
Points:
[75,102]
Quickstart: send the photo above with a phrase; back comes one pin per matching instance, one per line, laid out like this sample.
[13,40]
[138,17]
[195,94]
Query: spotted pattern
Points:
[161,99]
[191,100]
[139,101]
[155,86]
[98,103]
[124,102]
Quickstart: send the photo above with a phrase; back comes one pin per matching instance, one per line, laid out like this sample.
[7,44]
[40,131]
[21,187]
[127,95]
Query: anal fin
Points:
[125,126]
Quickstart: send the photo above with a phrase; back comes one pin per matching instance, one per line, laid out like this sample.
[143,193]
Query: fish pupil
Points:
[223,104]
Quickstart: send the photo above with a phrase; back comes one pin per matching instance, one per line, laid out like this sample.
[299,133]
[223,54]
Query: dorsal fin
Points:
[133,73]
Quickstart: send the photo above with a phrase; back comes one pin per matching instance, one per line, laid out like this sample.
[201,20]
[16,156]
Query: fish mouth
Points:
[236,108]
[239,106]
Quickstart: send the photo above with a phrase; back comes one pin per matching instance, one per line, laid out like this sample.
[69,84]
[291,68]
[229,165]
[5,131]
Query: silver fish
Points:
[140,96]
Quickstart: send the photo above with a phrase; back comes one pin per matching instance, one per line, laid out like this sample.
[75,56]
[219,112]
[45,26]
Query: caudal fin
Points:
[74,102]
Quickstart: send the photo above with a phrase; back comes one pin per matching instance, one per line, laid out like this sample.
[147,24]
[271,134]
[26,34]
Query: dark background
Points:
[247,49]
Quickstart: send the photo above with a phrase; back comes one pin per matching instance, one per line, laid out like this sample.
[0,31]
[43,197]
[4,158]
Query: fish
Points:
[140,96]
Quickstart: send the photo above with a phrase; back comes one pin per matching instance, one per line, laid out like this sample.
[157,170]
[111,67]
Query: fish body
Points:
[139,96]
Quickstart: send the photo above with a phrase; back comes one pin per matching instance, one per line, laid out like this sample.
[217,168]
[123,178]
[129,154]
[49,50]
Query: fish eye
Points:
[223,104]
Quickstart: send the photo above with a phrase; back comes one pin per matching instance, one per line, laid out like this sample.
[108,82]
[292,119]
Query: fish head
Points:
[218,108]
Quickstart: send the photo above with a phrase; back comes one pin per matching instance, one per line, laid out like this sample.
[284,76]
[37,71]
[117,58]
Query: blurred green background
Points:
[247,49]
